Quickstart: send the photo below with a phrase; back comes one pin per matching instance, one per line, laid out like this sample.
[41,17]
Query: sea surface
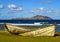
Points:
[30,21]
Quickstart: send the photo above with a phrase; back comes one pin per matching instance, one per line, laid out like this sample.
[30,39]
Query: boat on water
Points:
[48,30]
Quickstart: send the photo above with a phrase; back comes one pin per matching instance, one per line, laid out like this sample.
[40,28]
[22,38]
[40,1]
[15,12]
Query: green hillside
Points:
[7,37]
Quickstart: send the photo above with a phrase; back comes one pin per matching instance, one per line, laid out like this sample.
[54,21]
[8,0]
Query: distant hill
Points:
[42,17]
[37,17]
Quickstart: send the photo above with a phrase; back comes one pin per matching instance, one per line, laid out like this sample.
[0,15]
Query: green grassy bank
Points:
[6,37]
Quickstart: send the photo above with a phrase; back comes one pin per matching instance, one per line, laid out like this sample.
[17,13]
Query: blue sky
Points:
[28,8]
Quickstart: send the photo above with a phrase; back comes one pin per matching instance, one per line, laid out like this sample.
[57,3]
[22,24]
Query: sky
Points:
[10,9]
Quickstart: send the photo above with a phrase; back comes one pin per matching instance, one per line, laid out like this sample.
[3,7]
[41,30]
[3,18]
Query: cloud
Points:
[40,9]
[32,11]
[57,13]
[1,6]
[14,7]
[47,2]
[37,10]
[51,10]
[18,9]
[11,6]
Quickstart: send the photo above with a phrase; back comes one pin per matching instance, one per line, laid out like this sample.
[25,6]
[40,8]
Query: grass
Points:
[6,37]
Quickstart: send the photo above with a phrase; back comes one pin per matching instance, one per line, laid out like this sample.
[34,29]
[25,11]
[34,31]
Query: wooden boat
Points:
[15,29]
[20,28]
[42,31]
[48,30]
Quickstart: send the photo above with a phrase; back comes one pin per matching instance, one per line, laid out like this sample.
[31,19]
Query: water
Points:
[2,27]
[30,21]
[58,28]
